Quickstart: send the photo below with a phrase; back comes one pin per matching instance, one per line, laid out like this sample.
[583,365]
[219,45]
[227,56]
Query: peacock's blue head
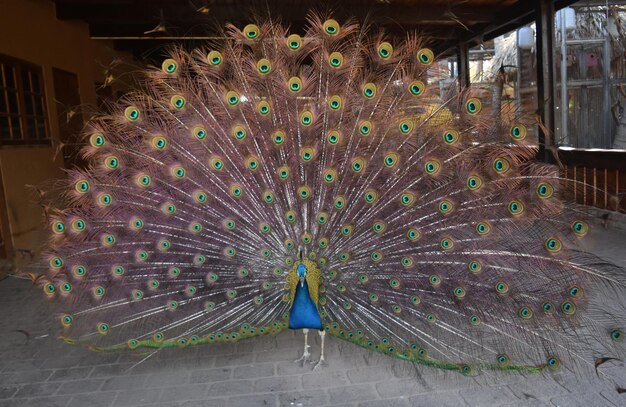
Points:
[301,273]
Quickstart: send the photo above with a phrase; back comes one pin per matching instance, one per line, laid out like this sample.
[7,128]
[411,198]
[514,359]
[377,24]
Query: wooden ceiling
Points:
[143,25]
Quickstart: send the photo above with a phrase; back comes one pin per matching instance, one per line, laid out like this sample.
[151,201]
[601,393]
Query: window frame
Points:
[22,116]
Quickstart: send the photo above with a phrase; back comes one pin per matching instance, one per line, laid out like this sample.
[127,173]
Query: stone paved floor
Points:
[261,372]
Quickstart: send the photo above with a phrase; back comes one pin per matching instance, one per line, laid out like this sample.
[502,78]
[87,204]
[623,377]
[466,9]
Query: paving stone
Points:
[281,356]
[257,400]
[447,399]
[303,398]
[253,371]
[324,379]
[137,397]
[234,359]
[173,378]
[21,365]
[124,382]
[210,375]
[231,388]
[203,403]
[98,399]
[80,386]
[530,403]
[581,400]
[184,393]
[399,402]
[369,374]
[37,390]
[51,401]
[277,384]
[112,370]
[7,391]
[72,373]
[490,396]
[535,388]
[357,392]
[29,376]
[392,388]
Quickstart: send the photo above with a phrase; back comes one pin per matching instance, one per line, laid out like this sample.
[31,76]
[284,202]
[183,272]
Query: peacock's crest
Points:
[429,232]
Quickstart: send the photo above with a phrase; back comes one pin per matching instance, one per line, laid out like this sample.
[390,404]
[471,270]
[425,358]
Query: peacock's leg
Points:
[321,361]
[307,355]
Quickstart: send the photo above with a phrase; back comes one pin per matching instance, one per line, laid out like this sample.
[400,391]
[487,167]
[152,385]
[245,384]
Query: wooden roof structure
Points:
[140,25]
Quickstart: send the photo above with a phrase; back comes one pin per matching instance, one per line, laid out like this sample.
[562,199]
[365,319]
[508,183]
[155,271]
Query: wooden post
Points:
[462,58]
[545,77]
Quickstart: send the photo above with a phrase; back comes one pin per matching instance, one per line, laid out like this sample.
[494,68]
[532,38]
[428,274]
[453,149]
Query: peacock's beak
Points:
[301,278]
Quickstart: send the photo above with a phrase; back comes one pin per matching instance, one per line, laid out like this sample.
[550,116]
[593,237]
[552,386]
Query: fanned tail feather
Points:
[438,238]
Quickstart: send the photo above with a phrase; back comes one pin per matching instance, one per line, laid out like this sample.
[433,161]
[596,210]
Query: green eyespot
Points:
[580,228]
[294,42]
[417,88]
[111,162]
[358,164]
[306,118]
[97,140]
[391,159]
[369,90]
[340,202]
[545,190]
[413,234]
[304,192]
[475,266]
[432,167]
[385,50]
[335,102]
[333,137]
[329,175]
[307,154]
[473,106]
[278,137]
[483,228]
[407,198]
[178,102]
[553,245]
[365,128]
[232,97]
[518,132]
[263,108]
[331,27]
[214,58]
[169,66]
[425,56]
[294,84]
[335,59]
[450,137]
[251,31]
[525,313]
[131,113]
[515,207]
[264,66]
[474,182]
[502,288]
[406,126]
[501,165]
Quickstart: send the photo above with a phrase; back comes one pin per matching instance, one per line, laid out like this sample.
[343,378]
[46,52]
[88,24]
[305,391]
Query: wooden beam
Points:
[105,11]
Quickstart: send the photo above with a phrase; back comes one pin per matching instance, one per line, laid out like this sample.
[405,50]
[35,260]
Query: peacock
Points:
[326,182]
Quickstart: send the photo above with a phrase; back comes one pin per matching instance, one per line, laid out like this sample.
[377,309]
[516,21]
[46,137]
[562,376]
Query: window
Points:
[23,116]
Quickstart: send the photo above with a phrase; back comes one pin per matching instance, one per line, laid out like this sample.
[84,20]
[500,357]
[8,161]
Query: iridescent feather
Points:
[436,236]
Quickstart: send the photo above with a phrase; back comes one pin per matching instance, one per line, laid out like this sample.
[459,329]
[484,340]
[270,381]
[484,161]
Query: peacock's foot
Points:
[306,357]
[319,364]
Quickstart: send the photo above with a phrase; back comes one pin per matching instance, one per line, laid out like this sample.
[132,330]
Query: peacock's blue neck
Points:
[303,313]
